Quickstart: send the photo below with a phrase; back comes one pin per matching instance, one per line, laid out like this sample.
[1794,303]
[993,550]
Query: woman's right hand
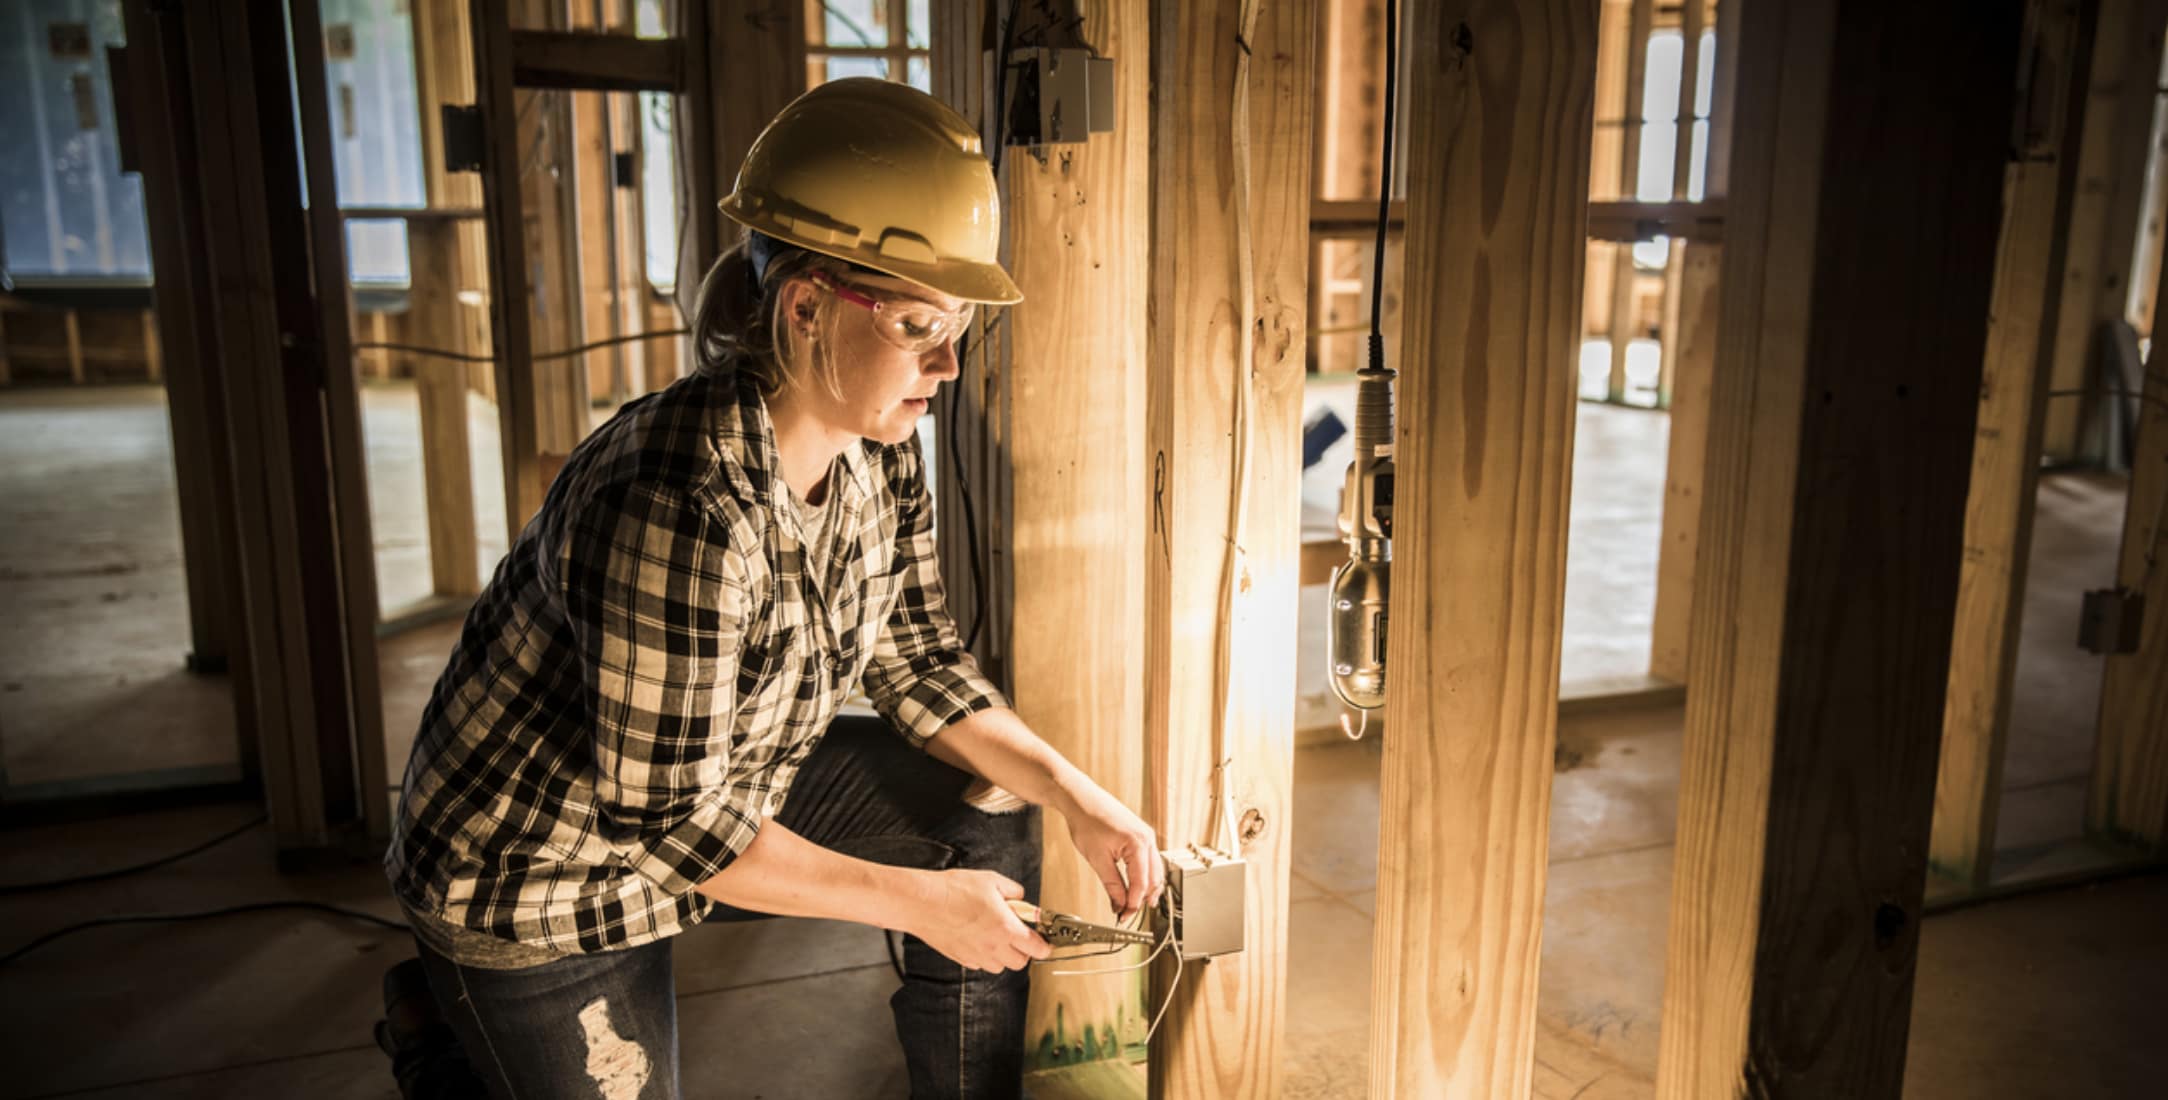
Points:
[966,917]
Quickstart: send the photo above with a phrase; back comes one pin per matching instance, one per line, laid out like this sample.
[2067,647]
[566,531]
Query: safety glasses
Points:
[914,326]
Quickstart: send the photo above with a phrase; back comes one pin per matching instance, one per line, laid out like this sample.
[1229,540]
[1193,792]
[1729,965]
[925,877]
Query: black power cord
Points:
[13,888]
[963,354]
[231,910]
[1385,186]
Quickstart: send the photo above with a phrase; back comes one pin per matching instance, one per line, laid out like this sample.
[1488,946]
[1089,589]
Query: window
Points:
[658,166]
[860,38]
[1660,128]
[67,212]
[375,129]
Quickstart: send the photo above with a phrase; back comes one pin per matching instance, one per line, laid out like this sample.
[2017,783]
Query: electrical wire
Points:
[567,353]
[951,407]
[13,888]
[1385,181]
[963,491]
[1239,474]
[231,910]
[1172,916]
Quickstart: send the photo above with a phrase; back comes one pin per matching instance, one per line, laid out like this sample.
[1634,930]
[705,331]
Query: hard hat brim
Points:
[984,283]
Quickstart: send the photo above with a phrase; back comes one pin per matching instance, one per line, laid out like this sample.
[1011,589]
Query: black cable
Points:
[955,401]
[1385,186]
[231,910]
[12,888]
[1001,88]
[971,519]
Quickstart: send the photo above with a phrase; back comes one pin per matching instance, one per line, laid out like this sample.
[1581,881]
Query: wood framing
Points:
[764,42]
[1692,351]
[193,370]
[1070,531]
[1232,88]
[511,328]
[1693,374]
[1853,324]
[442,262]
[2006,443]
[1623,273]
[591,60]
[440,387]
[2129,798]
[1500,97]
[301,519]
[2102,225]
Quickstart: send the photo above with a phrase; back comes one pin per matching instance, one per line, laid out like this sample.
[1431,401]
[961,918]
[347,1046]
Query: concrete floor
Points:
[2038,996]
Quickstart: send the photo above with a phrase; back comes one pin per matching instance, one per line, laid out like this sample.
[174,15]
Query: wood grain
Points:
[2129,800]
[1498,159]
[1624,276]
[1685,454]
[511,327]
[1851,336]
[1073,397]
[2005,466]
[2111,173]
[1232,90]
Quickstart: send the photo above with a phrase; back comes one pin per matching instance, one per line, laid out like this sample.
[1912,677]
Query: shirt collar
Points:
[746,437]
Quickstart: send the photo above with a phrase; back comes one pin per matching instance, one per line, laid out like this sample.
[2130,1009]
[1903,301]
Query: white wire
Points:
[1173,914]
[1163,1005]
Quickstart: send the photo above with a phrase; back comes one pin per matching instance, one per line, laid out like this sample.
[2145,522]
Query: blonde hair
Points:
[738,325]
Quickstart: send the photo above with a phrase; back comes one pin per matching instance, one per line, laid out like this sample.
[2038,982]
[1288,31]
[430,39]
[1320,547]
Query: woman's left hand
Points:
[1117,843]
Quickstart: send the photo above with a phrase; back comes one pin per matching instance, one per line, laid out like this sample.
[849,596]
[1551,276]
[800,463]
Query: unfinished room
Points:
[1083,549]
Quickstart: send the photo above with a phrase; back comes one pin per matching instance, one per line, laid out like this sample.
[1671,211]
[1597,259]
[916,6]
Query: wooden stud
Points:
[1231,101]
[350,746]
[2006,445]
[190,363]
[596,60]
[511,326]
[1625,278]
[1693,373]
[1350,97]
[2129,797]
[73,327]
[1840,441]
[440,386]
[595,199]
[1693,19]
[2103,219]
[154,367]
[765,42]
[1500,106]
[1073,518]
[443,265]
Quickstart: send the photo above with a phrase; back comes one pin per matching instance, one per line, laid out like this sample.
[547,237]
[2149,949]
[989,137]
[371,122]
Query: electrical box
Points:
[2112,621]
[1059,97]
[1206,888]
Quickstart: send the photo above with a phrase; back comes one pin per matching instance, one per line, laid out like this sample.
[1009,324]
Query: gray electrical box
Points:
[1061,97]
[1206,888]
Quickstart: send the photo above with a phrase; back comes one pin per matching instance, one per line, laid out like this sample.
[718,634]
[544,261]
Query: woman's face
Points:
[884,388]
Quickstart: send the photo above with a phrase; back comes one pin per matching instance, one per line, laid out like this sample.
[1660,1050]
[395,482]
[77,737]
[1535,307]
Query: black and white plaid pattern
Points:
[632,695]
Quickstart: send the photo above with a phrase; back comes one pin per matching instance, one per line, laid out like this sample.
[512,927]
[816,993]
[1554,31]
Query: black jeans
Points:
[605,1025]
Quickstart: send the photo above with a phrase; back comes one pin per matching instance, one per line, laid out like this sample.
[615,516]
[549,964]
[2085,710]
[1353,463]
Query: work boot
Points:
[426,1058]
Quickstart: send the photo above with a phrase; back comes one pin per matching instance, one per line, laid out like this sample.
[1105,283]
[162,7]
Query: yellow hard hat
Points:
[884,176]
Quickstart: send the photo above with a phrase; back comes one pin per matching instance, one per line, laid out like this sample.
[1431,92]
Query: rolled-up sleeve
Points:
[656,600]
[920,677]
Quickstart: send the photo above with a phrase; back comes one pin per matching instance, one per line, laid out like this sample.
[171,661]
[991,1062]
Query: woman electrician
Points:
[638,729]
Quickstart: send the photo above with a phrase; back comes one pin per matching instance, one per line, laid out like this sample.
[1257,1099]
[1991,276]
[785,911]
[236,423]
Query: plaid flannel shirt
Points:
[634,692]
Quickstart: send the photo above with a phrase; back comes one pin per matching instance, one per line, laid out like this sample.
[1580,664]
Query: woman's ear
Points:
[799,305]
